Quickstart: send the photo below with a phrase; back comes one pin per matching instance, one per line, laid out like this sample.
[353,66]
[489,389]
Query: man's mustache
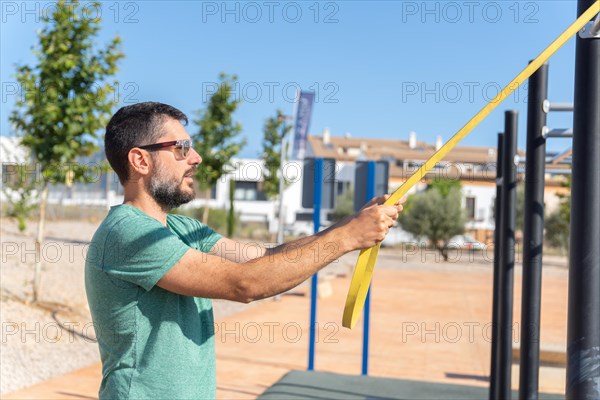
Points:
[190,172]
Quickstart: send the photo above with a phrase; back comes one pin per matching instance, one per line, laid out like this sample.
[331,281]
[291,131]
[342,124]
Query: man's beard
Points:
[167,191]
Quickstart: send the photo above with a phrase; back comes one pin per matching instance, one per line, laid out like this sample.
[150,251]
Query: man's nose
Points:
[194,157]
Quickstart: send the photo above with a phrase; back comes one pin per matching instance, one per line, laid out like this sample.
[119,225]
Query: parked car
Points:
[465,242]
[397,236]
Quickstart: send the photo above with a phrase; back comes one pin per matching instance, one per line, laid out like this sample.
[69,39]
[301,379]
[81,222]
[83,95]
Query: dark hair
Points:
[135,125]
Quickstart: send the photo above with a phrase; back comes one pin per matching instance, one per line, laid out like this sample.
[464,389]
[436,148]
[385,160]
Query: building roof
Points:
[350,149]
[400,152]
[563,158]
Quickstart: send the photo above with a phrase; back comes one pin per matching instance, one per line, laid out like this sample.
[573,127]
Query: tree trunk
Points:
[231,213]
[443,250]
[205,212]
[39,242]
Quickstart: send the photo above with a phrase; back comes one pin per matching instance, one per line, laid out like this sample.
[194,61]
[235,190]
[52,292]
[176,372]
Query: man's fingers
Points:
[391,211]
[401,201]
[379,199]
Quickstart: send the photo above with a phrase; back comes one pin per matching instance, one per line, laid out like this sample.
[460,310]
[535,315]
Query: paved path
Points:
[429,322]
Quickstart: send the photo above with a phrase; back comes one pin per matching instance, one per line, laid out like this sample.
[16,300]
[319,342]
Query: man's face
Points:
[171,183]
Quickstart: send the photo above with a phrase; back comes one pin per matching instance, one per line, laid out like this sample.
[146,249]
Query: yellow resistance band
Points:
[366,260]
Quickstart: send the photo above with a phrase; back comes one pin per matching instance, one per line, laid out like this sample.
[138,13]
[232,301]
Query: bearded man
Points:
[150,275]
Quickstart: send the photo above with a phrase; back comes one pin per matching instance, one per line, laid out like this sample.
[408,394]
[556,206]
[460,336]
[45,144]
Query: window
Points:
[470,207]
[304,216]
[249,191]
[342,187]
[413,165]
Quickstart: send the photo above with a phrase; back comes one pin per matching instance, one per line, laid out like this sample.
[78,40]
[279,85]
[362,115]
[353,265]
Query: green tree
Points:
[436,215]
[20,188]
[274,132]
[67,100]
[231,212]
[344,206]
[444,186]
[216,138]
[520,207]
[558,224]
[557,232]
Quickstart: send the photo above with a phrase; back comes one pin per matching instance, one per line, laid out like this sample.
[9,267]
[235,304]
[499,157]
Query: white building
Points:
[474,167]
[249,199]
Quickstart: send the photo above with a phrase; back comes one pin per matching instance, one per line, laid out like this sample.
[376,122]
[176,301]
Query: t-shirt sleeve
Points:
[206,237]
[197,235]
[141,250]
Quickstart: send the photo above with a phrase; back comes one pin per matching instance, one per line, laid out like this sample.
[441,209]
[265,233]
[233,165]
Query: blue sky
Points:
[380,68]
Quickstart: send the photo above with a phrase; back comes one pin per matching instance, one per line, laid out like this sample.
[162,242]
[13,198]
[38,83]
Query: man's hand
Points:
[382,199]
[219,277]
[370,225]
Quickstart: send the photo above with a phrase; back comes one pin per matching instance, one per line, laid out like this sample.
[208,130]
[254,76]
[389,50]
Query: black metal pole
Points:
[507,258]
[533,236]
[583,330]
[497,251]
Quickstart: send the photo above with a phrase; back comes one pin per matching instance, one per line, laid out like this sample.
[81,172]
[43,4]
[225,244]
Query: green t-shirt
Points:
[153,343]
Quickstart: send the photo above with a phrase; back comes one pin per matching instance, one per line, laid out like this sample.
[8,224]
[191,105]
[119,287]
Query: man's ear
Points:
[139,162]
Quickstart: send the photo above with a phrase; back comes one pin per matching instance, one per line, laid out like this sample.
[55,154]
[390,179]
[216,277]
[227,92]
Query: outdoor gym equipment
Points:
[366,260]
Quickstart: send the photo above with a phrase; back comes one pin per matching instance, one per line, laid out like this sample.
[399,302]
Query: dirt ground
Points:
[420,303]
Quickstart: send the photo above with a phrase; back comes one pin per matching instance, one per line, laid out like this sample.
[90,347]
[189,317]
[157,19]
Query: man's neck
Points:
[148,205]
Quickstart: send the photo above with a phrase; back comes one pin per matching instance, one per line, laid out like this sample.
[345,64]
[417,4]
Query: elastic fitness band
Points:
[366,260]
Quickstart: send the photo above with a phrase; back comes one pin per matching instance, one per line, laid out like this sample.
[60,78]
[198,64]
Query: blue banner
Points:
[303,113]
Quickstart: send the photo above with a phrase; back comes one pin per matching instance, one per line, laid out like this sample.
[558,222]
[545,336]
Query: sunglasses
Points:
[183,145]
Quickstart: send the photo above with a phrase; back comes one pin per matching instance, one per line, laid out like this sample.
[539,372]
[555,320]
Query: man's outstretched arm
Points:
[279,270]
[242,252]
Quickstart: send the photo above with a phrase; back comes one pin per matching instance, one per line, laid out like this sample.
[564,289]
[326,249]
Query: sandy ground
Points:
[55,337]
[39,342]
[35,345]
